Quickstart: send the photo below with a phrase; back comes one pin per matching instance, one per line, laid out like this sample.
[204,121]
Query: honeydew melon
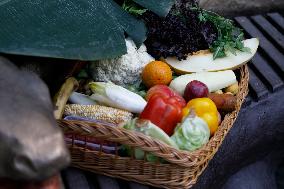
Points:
[203,60]
[213,80]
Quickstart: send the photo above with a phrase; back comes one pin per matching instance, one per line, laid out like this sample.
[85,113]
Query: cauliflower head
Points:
[125,70]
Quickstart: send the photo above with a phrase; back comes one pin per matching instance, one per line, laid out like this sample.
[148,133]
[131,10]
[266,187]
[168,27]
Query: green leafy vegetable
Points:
[133,8]
[229,38]
[161,7]
[140,90]
[83,74]
[70,29]
[179,34]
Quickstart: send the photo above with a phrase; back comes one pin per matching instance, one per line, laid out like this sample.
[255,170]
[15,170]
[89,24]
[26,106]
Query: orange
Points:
[156,73]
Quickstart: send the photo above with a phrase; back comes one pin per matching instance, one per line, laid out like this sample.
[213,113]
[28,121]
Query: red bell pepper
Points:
[164,111]
[164,90]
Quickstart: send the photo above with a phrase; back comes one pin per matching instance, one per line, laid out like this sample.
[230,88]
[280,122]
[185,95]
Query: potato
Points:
[232,88]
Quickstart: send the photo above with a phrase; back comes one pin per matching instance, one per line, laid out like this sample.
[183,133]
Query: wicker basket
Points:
[181,171]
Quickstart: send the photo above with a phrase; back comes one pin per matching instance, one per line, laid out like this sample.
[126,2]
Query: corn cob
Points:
[103,113]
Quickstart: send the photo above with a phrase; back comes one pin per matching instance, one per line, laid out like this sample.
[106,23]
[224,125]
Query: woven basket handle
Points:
[129,138]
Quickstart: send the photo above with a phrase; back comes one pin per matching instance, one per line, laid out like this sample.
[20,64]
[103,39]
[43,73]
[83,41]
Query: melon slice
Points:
[203,60]
[213,80]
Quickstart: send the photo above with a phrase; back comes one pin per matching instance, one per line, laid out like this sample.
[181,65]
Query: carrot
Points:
[224,102]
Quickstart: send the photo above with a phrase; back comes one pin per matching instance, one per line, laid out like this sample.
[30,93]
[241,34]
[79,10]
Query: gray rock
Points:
[260,175]
[31,144]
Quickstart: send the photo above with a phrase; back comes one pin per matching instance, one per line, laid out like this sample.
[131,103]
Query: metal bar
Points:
[278,19]
[134,185]
[269,29]
[74,179]
[263,67]
[247,102]
[107,182]
[266,45]
[257,86]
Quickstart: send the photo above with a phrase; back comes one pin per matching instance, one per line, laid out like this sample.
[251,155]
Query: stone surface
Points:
[257,132]
[242,7]
[260,175]
[31,144]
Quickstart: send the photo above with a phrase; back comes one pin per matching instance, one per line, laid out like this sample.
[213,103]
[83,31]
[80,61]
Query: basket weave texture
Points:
[183,167]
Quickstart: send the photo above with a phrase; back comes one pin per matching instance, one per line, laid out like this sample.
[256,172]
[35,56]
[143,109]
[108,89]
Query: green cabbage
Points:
[191,134]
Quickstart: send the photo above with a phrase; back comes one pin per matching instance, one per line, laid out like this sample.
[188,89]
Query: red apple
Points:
[195,89]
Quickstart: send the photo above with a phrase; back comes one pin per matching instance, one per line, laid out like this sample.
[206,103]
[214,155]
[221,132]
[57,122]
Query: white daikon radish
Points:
[78,98]
[203,60]
[213,80]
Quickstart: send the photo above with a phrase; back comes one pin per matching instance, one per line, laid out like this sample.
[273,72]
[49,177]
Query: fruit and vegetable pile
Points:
[176,87]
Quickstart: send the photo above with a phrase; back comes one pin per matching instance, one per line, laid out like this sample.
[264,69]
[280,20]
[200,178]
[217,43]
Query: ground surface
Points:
[242,7]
